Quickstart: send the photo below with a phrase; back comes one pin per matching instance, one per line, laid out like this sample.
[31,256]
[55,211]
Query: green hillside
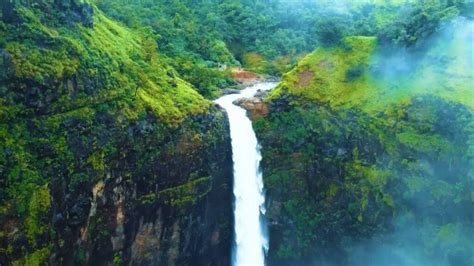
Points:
[85,99]
[358,74]
[368,155]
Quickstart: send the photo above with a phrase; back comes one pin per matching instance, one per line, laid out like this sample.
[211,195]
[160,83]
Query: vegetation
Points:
[82,101]
[368,149]
[338,179]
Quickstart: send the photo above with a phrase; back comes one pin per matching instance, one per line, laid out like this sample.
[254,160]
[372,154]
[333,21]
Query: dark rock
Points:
[87,15]
[261,94]
[230,91]
[79,211]
[112,217]
[58,219]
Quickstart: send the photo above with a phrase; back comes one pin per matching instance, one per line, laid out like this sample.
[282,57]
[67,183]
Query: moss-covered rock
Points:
[365,168]
[106,155]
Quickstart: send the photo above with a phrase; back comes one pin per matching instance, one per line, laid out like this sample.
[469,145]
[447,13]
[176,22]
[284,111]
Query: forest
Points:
[113,150]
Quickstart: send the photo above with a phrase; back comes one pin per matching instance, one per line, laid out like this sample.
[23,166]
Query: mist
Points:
[433,219]
[445,60]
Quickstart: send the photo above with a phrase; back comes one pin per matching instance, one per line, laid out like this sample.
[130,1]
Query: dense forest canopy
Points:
[268,36]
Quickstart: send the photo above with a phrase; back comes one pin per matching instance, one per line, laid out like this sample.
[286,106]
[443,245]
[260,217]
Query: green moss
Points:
[357,167]
[146,199]
[348,76]
[75,102]
[117,260]
[187,193]
[323,74]
[37,213]
[40,64]
[97,161]
[190,192]
[37,258]
[174,107]
[425,143]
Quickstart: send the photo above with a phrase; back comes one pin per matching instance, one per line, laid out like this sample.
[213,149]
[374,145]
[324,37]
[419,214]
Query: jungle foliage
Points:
[367,152]
[83,99]
[268,36]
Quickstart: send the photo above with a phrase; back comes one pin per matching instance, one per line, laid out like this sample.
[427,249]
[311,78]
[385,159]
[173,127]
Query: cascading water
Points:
[251,241]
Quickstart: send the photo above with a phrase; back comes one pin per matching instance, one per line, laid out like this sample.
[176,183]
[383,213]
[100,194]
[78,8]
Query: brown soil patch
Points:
[324,64]
[244,76]
[305,78]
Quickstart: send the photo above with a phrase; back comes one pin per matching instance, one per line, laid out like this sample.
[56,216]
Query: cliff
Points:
[106,155]
[367,155]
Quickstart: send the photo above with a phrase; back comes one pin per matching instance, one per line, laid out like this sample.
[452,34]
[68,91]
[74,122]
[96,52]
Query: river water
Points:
[251,240]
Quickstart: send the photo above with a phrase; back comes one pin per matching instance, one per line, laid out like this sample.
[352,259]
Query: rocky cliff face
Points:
[362,171]
[174,209]
[106,156]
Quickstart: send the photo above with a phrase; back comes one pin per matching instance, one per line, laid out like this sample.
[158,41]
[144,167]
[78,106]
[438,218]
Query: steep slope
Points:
[268,36]
[106,155]
[185,32]
[368,155]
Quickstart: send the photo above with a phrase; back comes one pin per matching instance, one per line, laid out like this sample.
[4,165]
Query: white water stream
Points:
[251,241]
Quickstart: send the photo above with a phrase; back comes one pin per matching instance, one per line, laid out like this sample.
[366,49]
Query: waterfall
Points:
[251,241]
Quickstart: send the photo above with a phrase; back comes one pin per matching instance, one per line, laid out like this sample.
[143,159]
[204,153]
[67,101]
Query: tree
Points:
[329,31]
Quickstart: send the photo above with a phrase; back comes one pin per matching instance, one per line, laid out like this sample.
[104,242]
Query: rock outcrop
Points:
[177,213]
[255,106]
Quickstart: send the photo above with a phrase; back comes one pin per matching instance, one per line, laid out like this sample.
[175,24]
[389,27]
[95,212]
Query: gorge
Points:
[251,239]
[130,133]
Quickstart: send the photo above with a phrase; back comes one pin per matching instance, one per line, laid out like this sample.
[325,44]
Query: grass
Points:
[329,68]
[121,63]
[343,76]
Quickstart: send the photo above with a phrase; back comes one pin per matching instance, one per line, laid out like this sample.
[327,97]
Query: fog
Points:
[453,44]
[433,223]
[445,60]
